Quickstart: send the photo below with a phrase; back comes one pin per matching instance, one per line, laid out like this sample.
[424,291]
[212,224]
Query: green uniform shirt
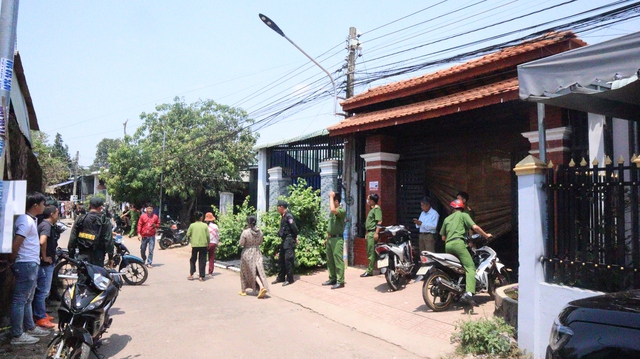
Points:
[336,222]
[134,215]
[198,233]
[374,216]
[456,226]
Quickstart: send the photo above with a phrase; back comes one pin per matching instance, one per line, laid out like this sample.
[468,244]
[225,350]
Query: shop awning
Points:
[600,78]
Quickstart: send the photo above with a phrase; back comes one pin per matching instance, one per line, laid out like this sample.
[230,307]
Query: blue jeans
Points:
[151,241]
[26,275]
[43,286]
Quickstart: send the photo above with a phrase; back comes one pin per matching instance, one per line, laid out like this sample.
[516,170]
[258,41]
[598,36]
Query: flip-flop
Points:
[262,293]
[201,279]
[242,294]
[190,277]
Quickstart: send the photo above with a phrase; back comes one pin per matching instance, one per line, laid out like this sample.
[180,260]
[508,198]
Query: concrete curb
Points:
[230,267]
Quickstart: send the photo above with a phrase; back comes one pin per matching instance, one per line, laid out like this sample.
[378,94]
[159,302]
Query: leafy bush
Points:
[230,226]
[485,336]
[304,204]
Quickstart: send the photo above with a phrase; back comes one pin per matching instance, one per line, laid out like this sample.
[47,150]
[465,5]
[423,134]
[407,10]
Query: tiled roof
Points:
[508,57]
[495,93]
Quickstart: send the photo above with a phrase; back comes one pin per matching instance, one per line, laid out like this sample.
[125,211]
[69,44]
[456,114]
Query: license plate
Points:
[383,262]
[423,270]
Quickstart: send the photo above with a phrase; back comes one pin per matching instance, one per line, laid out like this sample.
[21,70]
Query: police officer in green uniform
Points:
[289,234]
[373,219]
[454,229]
[335,242]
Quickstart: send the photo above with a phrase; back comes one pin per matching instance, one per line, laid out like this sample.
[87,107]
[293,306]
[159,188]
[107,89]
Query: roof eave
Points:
[493,99]
[465,74]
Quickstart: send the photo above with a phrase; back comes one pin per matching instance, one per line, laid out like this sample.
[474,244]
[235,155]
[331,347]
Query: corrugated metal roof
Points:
[319,133]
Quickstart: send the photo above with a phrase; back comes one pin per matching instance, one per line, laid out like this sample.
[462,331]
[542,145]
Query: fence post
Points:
[328,182]
[532,234]
[278,184]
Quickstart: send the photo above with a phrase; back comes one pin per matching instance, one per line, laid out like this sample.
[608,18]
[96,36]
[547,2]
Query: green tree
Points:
[104,147]
[54,169]
[206,145]
[61,151]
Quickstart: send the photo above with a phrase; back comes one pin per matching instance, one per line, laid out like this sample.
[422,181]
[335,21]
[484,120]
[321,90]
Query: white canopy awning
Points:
[583,79]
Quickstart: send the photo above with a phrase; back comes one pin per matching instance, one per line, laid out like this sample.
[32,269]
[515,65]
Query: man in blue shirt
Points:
[427,224]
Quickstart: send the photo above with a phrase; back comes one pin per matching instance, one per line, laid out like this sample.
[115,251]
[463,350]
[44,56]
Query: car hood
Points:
[622,309]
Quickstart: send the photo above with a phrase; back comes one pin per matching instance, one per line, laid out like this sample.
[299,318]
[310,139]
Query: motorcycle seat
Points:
[442,256]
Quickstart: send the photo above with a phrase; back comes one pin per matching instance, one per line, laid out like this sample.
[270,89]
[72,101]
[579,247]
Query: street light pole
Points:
[272,25]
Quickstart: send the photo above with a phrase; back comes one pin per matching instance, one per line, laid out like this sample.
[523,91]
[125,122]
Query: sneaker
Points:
[468,298]
[38,332]
[23,339]
[45,323]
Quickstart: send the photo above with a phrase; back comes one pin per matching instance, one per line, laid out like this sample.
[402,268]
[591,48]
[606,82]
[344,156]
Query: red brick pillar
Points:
[558,144]
[380,179]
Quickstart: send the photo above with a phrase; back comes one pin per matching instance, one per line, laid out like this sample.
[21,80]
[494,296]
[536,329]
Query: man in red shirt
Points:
[147,225]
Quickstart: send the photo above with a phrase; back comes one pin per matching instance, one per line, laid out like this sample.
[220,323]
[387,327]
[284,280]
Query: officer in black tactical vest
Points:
[289,234]
[92,235]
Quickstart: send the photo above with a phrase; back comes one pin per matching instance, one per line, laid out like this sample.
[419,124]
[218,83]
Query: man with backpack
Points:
[92,235]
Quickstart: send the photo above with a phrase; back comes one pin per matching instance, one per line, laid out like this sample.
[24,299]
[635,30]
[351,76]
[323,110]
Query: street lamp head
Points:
[271,24]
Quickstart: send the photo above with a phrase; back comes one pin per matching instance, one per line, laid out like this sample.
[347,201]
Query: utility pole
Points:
[125,127]
[352,46]
[75,174]
[164,136]
[8,25]
[348,162]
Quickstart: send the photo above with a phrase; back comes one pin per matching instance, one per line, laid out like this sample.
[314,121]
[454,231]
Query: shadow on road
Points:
[115,311]
[114,344]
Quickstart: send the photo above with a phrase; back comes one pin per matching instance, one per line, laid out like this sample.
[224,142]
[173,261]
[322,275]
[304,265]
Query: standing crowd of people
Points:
[36,239]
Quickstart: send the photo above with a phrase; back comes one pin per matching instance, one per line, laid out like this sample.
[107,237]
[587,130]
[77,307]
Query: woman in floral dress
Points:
[251,260]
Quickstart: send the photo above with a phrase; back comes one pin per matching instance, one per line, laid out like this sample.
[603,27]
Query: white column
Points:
[532,231]
[596,138]
[262,181]
[328,182]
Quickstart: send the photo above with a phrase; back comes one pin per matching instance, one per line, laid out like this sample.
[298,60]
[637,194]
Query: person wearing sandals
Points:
[198,234]
[251,260]
[214,238]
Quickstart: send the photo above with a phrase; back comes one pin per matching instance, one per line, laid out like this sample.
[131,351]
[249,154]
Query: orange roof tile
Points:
[485,64]
[495,93]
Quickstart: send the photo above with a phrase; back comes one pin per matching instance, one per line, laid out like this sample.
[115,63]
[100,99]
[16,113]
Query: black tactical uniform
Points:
[91,234]
[289,233]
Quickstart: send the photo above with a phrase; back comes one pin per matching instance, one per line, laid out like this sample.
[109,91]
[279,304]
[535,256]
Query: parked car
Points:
[604,326]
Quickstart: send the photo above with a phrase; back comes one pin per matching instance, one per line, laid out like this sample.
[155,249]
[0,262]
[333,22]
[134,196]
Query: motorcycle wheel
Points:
[64,268]
[71,349]
[394,279]
[435,297]
[135,273]
[184,241]
[164,243]
[499,279]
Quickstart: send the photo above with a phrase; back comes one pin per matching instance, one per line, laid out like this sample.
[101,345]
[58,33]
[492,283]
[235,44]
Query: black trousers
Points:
[201,254]
[286,259]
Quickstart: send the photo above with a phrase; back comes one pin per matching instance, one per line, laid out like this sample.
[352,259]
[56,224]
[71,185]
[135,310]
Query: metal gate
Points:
[593,233]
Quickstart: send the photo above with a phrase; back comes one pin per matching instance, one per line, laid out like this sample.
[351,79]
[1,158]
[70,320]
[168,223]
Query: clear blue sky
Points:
[91,65]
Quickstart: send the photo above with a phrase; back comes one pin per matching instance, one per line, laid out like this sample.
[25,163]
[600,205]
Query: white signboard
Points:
[373,186]
[74,198]
[14,198]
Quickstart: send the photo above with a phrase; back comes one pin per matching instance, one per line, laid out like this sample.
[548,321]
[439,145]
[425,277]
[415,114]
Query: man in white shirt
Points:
[25,256]
[427,224]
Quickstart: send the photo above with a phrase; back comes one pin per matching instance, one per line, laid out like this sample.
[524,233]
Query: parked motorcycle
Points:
[84,311]
[121,226]
[171,234]
[132,267]
[445,283]
[395,258]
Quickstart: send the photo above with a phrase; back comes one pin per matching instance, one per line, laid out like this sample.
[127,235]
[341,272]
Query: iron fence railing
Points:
[593,226]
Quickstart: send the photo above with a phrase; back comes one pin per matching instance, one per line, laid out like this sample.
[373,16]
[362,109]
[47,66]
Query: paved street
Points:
[171,317]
